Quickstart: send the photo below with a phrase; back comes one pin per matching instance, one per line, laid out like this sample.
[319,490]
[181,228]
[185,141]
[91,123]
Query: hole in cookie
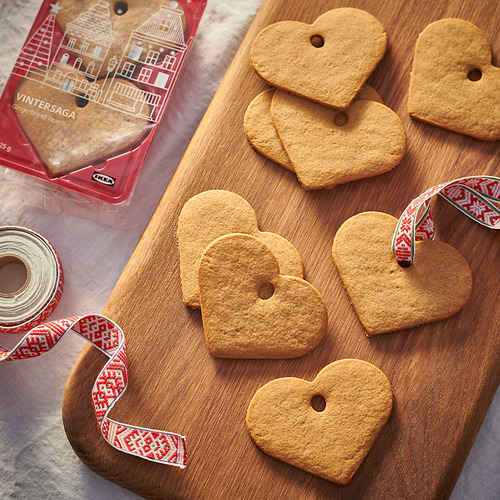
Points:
[318,403]
[474,75]
[13,275]
[317,41]
[81,101]
[404,263]
[266,291]
[120,8]
[340,119]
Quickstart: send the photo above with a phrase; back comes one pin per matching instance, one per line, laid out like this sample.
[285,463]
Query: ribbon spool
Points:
[32,300]
[29,295]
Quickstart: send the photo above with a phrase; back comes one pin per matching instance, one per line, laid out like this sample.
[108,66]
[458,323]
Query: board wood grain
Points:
[444,374]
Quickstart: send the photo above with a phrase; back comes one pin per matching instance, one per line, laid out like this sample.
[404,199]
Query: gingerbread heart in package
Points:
[89,88]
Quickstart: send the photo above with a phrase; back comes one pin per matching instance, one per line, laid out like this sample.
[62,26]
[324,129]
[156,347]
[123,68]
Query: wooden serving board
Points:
[444,374]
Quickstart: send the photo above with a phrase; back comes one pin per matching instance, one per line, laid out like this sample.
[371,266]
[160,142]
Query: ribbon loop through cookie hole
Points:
[341,119]
[120,8]
[317,41]
[14,275]
[474,75]
[318,403]
[266,291]
[404,264]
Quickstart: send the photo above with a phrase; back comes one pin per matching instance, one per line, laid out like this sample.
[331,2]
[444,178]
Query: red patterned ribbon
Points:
[107,336]
[474,196]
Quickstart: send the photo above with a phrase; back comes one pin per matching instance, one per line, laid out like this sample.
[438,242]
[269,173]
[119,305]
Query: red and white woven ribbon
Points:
[474,196]
[107,336]
[53,279]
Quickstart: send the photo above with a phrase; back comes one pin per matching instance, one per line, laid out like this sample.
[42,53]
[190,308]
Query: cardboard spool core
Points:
[14,275]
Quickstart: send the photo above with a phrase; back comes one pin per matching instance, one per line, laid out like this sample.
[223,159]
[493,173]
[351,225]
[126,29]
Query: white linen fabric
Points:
[36,459]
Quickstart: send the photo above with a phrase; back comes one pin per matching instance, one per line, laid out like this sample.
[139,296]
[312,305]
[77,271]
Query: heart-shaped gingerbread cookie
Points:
[388,297]
[328,147]
[239,320]
[453,82]
[329,440]
[327,61]
[77,132]
[261,133]
[214,213]
[260,130]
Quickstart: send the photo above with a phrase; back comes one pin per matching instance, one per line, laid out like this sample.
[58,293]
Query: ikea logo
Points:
[103,179]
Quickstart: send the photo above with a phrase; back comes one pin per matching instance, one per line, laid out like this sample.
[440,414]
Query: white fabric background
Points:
[36,460]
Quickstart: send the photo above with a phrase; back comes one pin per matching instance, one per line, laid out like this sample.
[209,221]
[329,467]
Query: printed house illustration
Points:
[152,57]
[90,34]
